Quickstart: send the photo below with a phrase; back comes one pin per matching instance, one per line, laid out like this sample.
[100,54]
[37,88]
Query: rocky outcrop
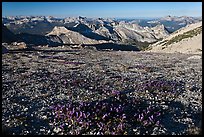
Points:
[66,36]
[160,31]
[141,34]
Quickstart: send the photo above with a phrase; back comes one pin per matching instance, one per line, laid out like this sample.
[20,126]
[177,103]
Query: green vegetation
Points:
[142,45]
[160,42]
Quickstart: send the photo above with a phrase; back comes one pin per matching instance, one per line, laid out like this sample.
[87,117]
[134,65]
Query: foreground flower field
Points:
[101,93]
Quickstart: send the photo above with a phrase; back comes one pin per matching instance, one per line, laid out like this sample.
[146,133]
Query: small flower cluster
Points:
[144,67]
[106,117]
[148,116]
[162,86]
[74,63]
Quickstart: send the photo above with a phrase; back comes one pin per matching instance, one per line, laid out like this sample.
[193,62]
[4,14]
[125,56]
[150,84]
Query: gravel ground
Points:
[32,81]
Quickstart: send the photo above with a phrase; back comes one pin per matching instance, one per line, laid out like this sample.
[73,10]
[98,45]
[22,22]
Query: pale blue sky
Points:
[103,9]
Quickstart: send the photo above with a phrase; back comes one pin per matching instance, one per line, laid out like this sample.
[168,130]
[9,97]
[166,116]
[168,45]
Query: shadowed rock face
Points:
[39,39]
[4,50]
[115,47]
[7,35]
[87,32]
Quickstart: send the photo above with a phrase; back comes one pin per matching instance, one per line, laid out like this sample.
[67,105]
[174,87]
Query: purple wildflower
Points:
[88,114]
[65,82]
[81,114]
[158,123]
[84,115]
[158,113]
[124,116]
[115,92]
[62,126]
[145,123]
[150,119]
[104,116]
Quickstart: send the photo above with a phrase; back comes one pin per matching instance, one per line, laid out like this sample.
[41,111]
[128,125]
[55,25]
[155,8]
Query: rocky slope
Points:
[4,49]
[184,40]
[141,34]
[122,33]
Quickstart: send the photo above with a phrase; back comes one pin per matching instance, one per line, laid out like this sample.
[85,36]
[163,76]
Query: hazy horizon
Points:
[103,9]
[100,17]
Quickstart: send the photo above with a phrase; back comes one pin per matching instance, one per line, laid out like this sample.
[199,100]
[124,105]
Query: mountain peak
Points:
[82,18]
[57,30]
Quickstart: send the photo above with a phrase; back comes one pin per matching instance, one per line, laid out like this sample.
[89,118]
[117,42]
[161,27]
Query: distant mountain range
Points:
[41,30]
[32,24]
[171,23]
